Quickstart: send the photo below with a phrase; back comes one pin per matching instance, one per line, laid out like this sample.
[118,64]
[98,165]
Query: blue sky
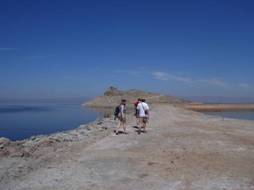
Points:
[64,48]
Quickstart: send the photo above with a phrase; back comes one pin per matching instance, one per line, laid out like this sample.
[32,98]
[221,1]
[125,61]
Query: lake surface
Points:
[23,120]
[235,115]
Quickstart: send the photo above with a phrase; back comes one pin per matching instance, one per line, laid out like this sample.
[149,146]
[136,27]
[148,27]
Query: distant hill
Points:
[113,96]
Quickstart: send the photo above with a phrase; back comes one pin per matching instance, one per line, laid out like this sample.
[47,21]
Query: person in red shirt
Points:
[136,110]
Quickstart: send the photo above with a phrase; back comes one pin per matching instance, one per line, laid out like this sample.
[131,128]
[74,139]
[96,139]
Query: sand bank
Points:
[219,107]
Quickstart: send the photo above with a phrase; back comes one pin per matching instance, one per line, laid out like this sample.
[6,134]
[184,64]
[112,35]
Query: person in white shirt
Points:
[143,113]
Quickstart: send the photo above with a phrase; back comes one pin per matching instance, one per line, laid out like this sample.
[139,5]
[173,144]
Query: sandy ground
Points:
[219,107]
[182,150]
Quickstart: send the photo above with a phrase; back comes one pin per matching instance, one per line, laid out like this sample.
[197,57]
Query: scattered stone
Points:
[150,163]
[99,123]
[88,128]
[4,142]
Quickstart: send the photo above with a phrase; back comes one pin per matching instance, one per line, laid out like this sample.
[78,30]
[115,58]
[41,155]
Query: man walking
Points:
[121,116]
[143,112]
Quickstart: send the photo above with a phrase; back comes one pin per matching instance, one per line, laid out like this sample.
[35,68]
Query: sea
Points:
[246,115]
[22,119]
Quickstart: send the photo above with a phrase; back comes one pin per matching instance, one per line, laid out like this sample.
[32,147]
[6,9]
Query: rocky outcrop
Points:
[113,96]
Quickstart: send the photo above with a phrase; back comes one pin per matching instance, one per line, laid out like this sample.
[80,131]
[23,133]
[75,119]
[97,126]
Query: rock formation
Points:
[113,96]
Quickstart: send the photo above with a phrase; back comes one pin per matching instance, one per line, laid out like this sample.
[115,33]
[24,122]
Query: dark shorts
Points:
[122,119]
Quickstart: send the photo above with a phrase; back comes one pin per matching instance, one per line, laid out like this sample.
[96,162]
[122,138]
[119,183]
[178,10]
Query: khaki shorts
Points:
[143,120]
[122,119]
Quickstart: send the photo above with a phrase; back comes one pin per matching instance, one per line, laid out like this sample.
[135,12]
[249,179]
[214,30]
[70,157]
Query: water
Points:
[235,115]
[23,120]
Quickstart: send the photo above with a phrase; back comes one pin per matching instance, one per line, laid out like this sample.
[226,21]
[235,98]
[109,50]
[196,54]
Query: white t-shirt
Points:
[122,110]
[142,107]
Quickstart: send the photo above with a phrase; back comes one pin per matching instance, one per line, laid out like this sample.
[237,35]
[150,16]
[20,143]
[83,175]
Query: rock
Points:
[88,128]
[113,96]
[25,154]
[33,138]
[4,142]
[113,91]
[99,123]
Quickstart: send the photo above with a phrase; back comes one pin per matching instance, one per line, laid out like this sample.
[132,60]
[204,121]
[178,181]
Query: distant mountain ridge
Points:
[113,96]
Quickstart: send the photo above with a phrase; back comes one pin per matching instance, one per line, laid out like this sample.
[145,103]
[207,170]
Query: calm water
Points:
[22,120]
[236,115]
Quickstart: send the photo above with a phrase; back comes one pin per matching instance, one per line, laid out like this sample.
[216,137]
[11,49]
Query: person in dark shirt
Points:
[121,117]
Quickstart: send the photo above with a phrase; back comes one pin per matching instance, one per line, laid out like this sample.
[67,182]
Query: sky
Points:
[78,48]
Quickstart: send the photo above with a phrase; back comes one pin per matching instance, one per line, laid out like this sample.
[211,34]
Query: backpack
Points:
[146,111]
[117,111]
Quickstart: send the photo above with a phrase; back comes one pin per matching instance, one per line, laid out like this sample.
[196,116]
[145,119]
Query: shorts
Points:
[143,119]
[122,119]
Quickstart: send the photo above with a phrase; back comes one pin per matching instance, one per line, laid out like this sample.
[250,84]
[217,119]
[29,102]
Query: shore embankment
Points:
[219,107]
[182,150]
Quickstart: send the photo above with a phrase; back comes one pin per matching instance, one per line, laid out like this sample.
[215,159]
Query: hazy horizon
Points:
[203,99]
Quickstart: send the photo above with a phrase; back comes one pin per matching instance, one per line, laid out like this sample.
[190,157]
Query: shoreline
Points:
[182,149]
[199,108]
[219,107]
[21,148]
[90,153]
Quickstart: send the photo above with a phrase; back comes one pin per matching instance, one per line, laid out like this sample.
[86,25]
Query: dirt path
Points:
[182,150]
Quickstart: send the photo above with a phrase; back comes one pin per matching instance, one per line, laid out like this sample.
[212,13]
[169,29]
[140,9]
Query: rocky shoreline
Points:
[183,149]
[18,158]
[31,146]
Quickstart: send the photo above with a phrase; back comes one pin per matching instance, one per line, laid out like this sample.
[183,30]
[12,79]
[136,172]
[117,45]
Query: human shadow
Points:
[138,130]
[120,132]
[135,127]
